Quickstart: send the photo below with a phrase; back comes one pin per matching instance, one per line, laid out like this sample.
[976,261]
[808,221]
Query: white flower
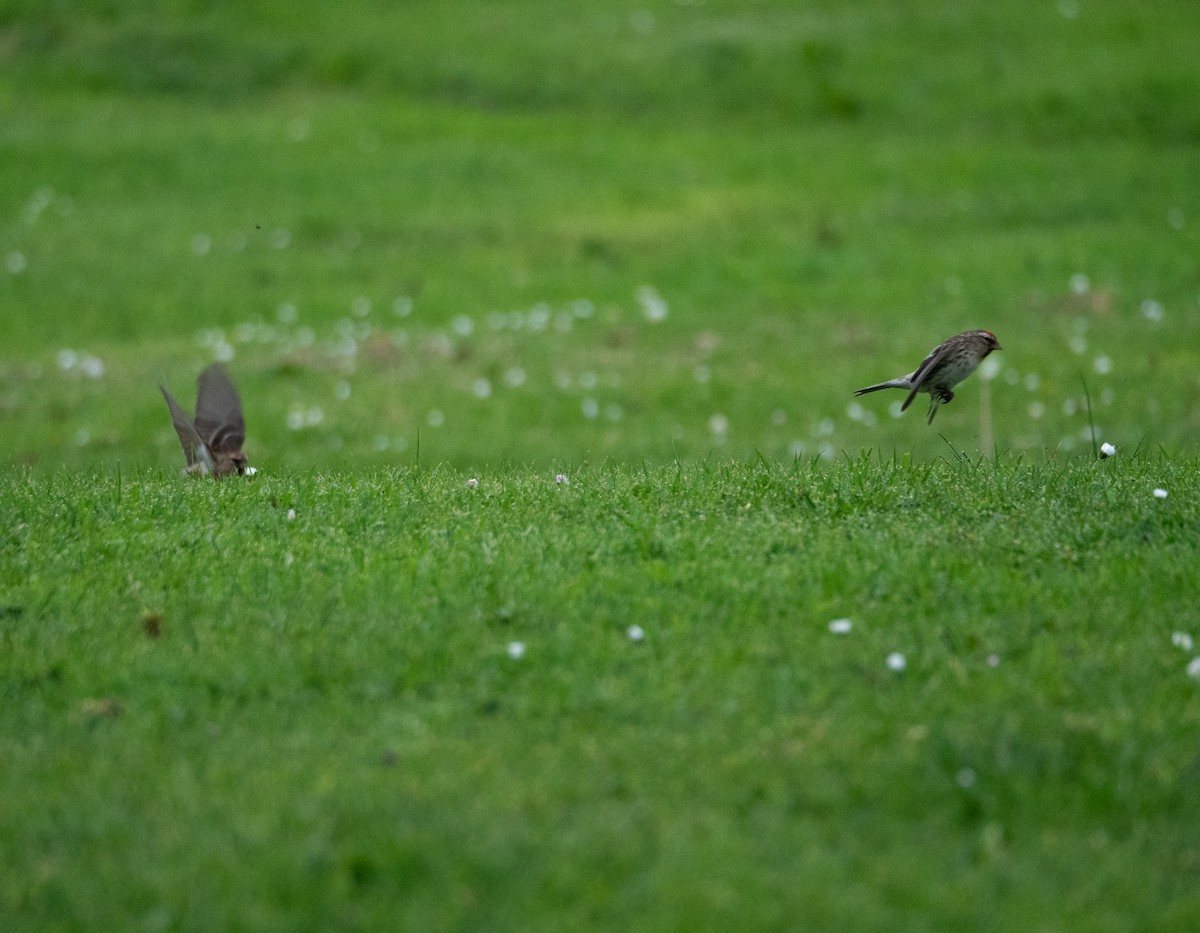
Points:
[896,661]
[993,660]
[562,479]
[654,308]
[516,650]
[635,633]
[965,777]
[1160,494]
[472,483]
[840,626]
[1107,450]
[1182,640]
[291,515]
[1193,668]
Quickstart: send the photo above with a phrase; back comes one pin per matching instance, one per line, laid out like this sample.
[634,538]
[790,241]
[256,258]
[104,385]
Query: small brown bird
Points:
[948,364]
[213,443]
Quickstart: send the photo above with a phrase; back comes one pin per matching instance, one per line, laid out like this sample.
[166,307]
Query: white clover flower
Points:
[635,633]
[291,515]
[472,483]
[654,308]
[1107,450]
[993,660]
[1160,494]
[14,262]
[841,626]
[965,778]
[516,650]
[1193,668]
[896,661]
[562,479]
[1182,640]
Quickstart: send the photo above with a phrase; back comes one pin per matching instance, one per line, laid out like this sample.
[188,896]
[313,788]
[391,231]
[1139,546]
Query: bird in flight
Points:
[948,364]
[212,442]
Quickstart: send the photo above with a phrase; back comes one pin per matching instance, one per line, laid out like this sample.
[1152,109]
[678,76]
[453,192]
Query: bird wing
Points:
[189,438]
[918,377]
[219,412]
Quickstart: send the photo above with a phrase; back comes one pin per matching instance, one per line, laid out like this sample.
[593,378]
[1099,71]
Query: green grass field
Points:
[652,248]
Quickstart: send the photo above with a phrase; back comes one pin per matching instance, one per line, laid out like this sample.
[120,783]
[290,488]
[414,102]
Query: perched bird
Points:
[213,442]
[948,364]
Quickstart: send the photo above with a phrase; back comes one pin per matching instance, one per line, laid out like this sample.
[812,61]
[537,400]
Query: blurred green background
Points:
[530,232]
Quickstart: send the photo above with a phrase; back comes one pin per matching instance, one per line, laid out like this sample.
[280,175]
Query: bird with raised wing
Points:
[212,442]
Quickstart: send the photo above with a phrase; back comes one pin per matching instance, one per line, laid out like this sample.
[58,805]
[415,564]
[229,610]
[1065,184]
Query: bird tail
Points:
[890,384]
